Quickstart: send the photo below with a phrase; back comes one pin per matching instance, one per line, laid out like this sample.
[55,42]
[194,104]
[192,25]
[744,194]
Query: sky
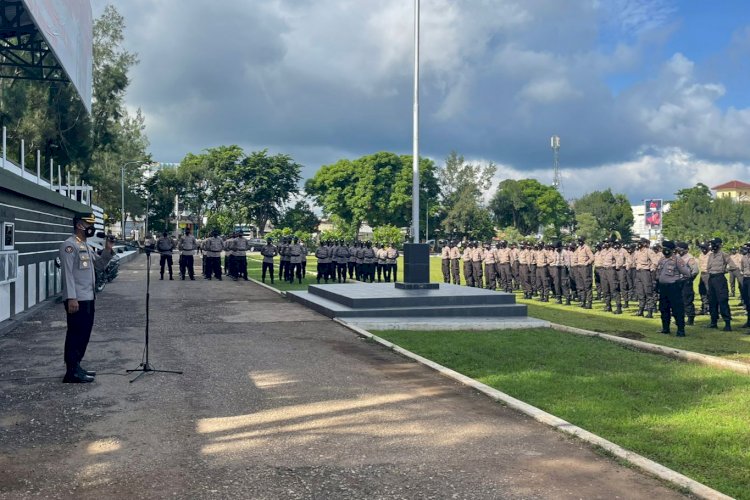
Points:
[647,96]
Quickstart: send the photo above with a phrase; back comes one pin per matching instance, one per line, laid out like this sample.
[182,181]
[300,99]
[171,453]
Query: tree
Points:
[611,211]
[387,234]
[528,205]
[162,189]
[588,227]
[375,188]
[300,217]
[462,186]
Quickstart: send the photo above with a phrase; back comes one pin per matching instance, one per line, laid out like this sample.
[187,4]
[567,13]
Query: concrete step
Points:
[384,295]
[334,309]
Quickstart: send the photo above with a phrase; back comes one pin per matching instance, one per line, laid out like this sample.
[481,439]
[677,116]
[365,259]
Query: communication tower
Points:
[557,177]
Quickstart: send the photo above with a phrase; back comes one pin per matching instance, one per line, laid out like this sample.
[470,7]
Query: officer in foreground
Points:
[670,275]
[78,262]
[717,265]
[187,247]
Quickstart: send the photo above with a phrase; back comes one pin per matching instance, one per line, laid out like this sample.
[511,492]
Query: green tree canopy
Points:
[300,216]
[528,205]
[611,211]
[462,186]
[374,188]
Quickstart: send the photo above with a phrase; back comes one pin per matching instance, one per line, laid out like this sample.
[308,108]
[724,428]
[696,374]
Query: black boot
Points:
[727,326]
[640,311]
[607,308]
[680,333]
[712,325]
[665,330]
[618,310]
[690,320]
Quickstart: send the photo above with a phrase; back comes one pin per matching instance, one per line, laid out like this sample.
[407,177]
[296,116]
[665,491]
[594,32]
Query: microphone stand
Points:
[145,366]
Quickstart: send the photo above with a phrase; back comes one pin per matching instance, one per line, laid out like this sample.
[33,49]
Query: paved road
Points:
[276,402]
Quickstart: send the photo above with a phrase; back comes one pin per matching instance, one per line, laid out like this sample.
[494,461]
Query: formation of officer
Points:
[78,263]
[619,273]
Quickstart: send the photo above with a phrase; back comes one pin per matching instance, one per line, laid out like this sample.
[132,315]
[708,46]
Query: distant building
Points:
[736,190]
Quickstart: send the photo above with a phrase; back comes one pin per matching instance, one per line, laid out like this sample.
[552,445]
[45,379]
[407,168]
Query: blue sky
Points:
[648,96]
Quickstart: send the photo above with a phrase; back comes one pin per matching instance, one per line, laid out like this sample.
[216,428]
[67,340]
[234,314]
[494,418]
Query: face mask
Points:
[667,252]
[88,231]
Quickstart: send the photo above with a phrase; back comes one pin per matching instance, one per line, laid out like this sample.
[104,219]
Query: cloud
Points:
[333,78]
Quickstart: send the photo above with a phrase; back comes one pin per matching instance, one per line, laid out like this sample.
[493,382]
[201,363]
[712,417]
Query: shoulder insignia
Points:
[69,249]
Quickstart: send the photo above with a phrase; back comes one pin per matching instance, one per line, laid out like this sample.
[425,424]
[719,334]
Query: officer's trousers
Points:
[468,273]
[542,278]
[78,333]
[644,288]
[533,279]
[455,271]
[622,281]
[476,272]
[688,297]
[445,266]
[240,266]
[341,271]
[379,271]
[718,298]
[186,265]
[350,267]
[586,292]
[165,259]
[671,305]
[703,292]
[514,269]
[282,268]
[489,276]
[392,270]
[745,291]
[295,270]
[523,275]
[213,266]
[506,277]
[610,287]
[322,271]
[266,266]
[565,281]
[555,274]
[735,277]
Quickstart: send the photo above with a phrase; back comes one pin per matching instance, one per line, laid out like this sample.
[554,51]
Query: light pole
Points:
[415,153]
[122,191]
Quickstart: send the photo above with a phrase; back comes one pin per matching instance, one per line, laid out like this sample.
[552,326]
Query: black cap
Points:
[682,244]
[85,217]
[716,241]
[668,244]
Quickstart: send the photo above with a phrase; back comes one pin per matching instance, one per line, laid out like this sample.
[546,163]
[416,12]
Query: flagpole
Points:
[415,153]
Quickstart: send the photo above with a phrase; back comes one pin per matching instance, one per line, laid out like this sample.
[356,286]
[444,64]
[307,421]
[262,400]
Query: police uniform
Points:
[187,247]
[239,253]
[445,263]
[477,256]
[489,267]
[468,267]
[269,251]
[164,245]
[745,285]
[368,262]
[380,256]
[212,248]
[323,254]
[78,263]
[391,267]
[645,261]
[688,294]
[523,270]
[717,266]
[342,261]
[455,255]
[351,264]
[503,267]
[585,259]
[670,274]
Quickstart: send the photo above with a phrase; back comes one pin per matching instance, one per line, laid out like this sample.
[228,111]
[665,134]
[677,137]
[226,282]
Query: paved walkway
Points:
[276,402]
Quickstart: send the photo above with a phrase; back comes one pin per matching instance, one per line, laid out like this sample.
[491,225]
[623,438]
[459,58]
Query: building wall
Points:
[43,219]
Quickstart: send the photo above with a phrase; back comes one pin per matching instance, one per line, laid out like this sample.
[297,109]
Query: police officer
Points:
[269,251]
[645,261]
[670,274]
[323,254]
[503,266]
[468,267]
[368,262]
[295,261]
[717,266]
[477,257]
[745,285]
[585,261]
[688,294]
[351,264]
[445,263]
[703,282]
[78,262]
[342,260]
[556,266]
[164,245]
[187,247]
[455,255]
[380,257]
[239,252]
[523,270]
[490,258]
[212,248]
[391,265]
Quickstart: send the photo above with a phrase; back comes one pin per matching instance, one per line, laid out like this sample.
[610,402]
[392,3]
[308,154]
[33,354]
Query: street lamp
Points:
[122,191]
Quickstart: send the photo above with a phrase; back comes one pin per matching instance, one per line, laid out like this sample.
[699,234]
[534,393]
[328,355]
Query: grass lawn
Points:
[691,418]
[734,345]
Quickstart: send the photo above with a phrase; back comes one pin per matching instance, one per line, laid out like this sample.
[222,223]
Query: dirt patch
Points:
[629,335]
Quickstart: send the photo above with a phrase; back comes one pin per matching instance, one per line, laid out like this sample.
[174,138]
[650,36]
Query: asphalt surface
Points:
[275,401]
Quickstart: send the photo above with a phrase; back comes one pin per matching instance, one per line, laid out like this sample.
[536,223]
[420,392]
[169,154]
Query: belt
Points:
[715,274]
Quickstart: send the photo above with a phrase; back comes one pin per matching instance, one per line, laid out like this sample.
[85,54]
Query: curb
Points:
[698,489]
[267,287]
[671,352]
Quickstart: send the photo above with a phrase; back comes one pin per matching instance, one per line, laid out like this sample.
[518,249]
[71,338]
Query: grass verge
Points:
[691,418]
